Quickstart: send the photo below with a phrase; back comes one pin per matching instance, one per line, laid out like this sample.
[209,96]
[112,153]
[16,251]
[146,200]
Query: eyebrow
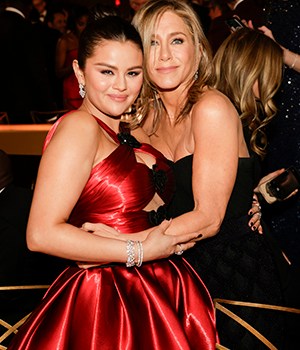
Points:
[172,34]
[114,67]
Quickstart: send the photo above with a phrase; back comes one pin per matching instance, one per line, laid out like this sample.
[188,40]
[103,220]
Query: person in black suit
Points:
[14,210]
[24,81]
[18,265]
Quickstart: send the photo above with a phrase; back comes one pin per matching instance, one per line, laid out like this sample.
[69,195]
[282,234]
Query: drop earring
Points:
[82,91]
[196,75]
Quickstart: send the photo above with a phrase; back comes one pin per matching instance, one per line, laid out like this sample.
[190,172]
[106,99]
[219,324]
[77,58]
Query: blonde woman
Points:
[244,64]
[198,129]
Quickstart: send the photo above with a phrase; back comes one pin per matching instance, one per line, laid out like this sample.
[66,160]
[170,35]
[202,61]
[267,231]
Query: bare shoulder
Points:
[213,104]
[77,124]
[77,138]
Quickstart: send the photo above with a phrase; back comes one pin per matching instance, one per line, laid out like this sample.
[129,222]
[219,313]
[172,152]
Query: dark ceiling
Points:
[90,2]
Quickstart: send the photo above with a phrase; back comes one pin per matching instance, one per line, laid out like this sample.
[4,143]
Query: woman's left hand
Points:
[102,230]
[98,230]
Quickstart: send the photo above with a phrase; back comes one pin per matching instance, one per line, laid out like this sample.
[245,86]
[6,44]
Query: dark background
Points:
[124,4]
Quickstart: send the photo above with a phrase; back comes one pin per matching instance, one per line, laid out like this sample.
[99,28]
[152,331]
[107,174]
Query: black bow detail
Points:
[158,216]
[129,140]
[159,179]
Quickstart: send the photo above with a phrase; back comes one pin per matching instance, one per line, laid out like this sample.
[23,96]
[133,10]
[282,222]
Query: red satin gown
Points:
[161,305]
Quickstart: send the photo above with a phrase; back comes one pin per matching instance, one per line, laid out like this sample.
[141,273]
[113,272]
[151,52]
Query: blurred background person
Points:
[23,70]
[284,131]
[56,18]
[282,18]
[248,10]
[39,10]
[66,52]
[218,30]
[136,4]
[55,25]
[201,8]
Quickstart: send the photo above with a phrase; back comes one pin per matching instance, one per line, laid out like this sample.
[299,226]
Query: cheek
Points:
[150,70]
[136,87]
[186,57]
[100,84]
[153,57]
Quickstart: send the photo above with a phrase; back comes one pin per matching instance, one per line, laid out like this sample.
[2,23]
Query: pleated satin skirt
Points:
[160,305]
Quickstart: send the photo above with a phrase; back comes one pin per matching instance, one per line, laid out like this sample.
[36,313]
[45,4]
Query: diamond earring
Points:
[82,91]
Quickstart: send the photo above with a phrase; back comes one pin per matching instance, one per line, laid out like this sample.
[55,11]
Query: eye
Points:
[107,72]
[134,73]
[177,41]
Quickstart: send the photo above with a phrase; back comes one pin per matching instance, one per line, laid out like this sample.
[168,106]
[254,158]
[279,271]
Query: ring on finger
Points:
[258,206]
[180,252]
[259,214]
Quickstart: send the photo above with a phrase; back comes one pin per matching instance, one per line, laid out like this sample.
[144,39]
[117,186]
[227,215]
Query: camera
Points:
[281,186]
[234,23]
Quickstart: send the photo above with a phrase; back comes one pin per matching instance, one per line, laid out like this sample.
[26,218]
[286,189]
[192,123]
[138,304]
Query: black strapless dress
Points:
[237,263]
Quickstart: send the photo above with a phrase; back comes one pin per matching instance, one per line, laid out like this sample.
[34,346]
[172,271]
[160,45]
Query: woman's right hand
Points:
[267,32]
[159,245]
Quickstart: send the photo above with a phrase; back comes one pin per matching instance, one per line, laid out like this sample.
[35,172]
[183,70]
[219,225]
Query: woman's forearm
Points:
[291,59]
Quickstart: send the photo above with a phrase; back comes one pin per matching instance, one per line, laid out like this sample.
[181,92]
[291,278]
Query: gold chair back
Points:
[9,328]
[4,118]
[218,306]
[47,117]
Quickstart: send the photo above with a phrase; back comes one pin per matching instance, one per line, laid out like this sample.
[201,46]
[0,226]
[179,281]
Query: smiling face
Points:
[170,63]
[59,22]
[113,76]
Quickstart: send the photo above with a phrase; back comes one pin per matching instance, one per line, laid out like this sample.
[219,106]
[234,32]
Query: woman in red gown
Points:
[134,295]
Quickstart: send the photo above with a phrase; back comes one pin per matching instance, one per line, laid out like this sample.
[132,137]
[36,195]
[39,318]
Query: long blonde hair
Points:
[247,57]
[145,21]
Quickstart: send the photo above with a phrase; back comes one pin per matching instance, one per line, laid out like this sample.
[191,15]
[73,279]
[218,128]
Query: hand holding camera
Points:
[280,187]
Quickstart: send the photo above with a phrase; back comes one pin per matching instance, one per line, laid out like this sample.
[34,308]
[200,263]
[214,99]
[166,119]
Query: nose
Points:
[120,83]
[164,53]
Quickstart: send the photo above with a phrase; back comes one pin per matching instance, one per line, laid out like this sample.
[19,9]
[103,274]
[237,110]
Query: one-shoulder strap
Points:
[127,138]
[105,127]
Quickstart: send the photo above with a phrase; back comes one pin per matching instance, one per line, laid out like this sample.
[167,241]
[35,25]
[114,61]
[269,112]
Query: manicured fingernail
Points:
[253,228]
[250,213]
[199,236]
[251,223]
